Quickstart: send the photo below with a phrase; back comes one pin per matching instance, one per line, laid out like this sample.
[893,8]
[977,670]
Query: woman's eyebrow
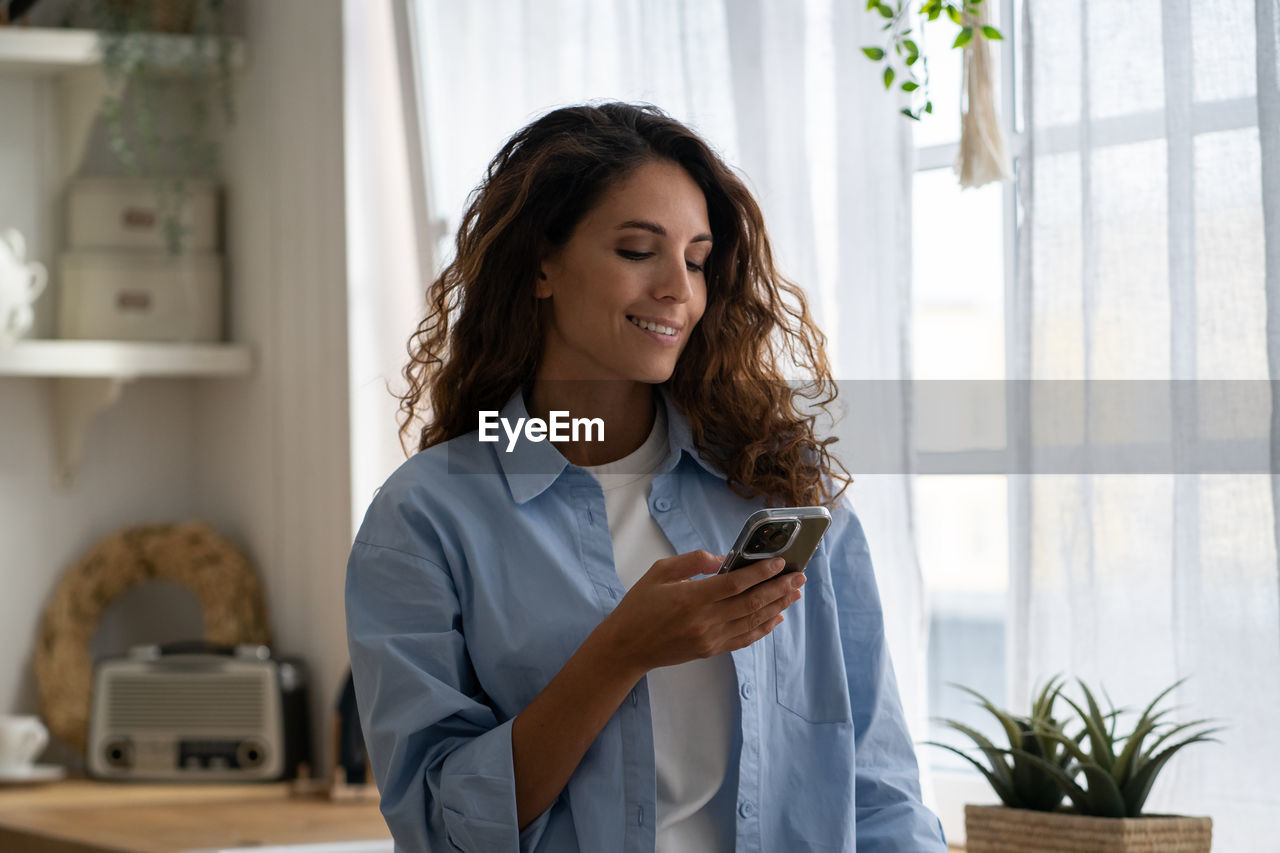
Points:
[659,230]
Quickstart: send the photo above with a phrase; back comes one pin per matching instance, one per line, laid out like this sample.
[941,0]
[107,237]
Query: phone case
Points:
[811,524]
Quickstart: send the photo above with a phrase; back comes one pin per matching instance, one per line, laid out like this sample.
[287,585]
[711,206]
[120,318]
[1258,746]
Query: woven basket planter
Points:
[998,829]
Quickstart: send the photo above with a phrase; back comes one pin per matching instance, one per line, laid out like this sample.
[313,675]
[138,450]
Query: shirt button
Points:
[747,690]
[746,809]
[662,504]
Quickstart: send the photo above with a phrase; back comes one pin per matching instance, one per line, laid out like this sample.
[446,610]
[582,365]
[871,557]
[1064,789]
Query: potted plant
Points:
[1106,777]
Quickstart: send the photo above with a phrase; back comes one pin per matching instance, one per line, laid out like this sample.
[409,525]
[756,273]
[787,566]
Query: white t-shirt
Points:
[694,704]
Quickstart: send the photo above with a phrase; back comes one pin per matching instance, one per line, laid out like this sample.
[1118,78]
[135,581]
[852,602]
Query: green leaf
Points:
[1173,731]
[1005,794]
[885,11]
[1132,748]
[1011,729]
[1099,744]
[992,33]
[928,106]
[1025,776]
[1104,798]
[998,765]
[911,47]
[909,114]
[966,36]
[1042,707]
[911,60]
[1064,779]
[888,77]
[1163,693]
[954,14]
[909,86]
[1071,745]
[873,53]
[1115,719]
[1139,786]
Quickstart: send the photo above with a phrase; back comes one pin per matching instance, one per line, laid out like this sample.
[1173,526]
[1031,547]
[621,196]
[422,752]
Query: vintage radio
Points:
[200,713]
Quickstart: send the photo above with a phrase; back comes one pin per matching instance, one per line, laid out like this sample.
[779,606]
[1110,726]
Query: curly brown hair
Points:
[474,348]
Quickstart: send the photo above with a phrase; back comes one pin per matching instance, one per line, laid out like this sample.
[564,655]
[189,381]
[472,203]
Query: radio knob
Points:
[118,752]
[251,753]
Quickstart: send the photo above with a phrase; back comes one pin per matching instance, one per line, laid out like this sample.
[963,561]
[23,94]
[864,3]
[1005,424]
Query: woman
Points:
[544,655]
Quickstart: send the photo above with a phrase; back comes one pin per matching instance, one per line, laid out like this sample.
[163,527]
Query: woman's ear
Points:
[542,285]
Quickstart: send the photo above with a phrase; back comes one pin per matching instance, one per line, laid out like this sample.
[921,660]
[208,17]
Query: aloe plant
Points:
[1118,771]
[1026,774]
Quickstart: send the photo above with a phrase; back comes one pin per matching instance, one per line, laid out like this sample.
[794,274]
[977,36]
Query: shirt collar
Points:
[532,466]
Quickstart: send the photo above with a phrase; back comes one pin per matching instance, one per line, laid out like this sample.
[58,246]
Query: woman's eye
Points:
[640,256]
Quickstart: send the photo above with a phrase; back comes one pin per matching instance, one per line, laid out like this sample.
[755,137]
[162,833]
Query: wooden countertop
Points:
[82,816]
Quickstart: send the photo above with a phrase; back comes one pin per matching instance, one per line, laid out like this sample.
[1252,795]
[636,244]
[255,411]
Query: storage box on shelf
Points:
[123,213]
[118,281]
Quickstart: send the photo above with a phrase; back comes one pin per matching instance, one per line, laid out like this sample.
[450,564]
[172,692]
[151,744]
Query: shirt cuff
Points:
[478,796]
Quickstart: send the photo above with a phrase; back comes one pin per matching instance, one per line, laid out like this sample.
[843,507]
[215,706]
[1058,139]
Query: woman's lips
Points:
[665,340]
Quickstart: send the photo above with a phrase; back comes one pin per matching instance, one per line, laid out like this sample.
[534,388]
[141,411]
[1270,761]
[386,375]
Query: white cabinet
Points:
[90,374]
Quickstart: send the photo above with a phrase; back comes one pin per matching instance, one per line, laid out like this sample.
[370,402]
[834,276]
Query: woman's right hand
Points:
[667,619]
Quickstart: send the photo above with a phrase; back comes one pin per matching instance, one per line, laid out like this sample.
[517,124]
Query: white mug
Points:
[21,740]
[21,283]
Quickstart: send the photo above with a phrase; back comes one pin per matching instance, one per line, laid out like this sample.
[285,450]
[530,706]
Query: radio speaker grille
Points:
[192,704]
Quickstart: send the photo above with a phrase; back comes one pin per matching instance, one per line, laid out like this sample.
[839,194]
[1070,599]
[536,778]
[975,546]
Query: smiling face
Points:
[627,289]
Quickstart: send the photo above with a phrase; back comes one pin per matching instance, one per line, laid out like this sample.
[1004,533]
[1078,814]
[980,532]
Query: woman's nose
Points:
[676,283]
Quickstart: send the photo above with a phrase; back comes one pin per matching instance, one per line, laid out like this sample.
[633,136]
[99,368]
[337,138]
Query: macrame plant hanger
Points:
[983,156]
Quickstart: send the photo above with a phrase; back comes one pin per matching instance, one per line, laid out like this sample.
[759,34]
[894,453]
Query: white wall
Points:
[273,452]
[264,459]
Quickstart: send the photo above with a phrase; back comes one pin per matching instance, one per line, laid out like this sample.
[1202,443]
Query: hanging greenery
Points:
[144,68]
[904,60]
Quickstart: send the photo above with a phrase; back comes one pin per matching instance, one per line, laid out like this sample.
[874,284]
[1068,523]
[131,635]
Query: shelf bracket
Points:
[76,401]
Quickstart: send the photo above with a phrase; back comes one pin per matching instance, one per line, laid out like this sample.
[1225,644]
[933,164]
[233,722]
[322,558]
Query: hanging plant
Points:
[982,157]
[902,55]
[144,68]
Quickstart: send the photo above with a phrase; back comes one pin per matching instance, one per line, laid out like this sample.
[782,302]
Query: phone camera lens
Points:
[771,537]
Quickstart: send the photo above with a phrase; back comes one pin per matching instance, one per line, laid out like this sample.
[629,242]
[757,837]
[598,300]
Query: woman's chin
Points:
[655,374]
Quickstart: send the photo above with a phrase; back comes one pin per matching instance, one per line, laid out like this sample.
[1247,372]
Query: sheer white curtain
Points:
[779,87]
[1145,254]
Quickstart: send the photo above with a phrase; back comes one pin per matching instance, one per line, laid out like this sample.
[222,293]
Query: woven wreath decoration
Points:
[188,553]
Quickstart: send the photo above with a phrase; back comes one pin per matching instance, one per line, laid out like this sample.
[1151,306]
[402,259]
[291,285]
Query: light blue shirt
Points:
[478,572]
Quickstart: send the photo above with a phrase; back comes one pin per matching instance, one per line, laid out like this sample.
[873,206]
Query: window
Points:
[964,263]
[963,241]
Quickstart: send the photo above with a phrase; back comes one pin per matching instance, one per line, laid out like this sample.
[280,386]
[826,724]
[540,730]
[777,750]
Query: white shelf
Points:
[123,360]
[53,51]
[89,376]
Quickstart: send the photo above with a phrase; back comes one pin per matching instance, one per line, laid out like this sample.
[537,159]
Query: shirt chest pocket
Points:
[807,660]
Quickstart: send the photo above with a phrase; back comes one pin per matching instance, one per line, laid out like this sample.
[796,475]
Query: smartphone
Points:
[792,533]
